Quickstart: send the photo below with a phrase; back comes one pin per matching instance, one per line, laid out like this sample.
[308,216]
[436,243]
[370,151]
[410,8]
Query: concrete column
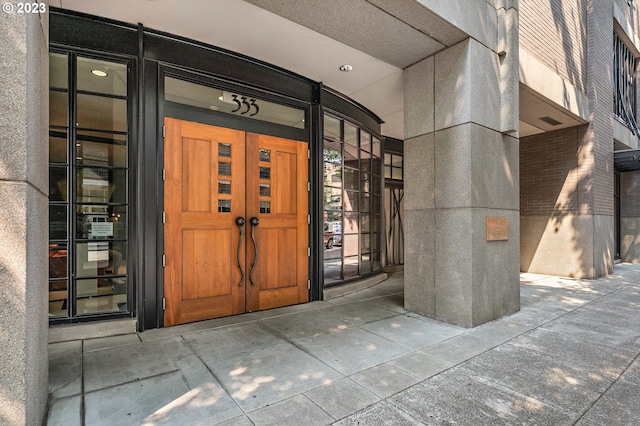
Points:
[23,218]
[459,170]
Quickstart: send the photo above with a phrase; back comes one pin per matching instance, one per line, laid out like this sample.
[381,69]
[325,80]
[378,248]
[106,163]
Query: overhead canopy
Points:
[627,160]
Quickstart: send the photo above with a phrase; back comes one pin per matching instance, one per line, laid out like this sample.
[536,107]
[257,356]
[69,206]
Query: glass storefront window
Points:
[352,170]
[88,186]
[393,166]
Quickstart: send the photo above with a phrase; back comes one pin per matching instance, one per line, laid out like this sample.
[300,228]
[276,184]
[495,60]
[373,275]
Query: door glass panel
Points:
[224,206]
[224,187]
[265,155]
[224,150]
[265,207]
[224,169]
[101,149]
[265,173]
[102,76]
[102,113]
[265,190]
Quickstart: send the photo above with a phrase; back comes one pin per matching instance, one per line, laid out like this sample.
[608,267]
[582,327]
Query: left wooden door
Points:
[204,193]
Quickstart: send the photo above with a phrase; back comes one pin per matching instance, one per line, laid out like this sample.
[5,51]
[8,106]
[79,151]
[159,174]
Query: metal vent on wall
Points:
[550,121]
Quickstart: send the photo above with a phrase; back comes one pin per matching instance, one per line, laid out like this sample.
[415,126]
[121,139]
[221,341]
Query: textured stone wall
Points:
[23,218]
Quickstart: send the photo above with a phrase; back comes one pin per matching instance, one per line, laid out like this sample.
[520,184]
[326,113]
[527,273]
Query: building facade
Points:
[217,158]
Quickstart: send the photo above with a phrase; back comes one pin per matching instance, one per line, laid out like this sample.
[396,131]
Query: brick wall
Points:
[597,149]
[549,173]
[555,32]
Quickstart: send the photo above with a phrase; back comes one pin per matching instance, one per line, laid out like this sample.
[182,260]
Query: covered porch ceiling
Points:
[378,38]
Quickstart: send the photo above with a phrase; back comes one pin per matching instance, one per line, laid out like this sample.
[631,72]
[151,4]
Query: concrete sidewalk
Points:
[570,356]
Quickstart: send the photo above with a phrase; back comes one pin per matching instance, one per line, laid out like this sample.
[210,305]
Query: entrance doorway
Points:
[236,230]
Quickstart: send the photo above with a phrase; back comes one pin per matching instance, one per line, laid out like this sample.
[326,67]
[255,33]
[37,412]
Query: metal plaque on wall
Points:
[497,229]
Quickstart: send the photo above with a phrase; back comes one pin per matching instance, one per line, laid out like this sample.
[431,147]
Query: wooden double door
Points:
[236,230]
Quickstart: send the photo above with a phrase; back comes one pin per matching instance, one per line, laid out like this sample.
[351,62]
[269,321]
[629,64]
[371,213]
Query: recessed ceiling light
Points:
[221,98]
[346,68]
[99,73]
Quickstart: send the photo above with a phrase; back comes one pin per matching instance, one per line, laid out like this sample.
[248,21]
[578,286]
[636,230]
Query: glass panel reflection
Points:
[265,190]
[365,265]
[101,113]
[224,206]
[101,149]
[351,179]
[396,173]
[351,201]
[350,244]
[224,169]
[265,155]
[224,187]
[350,134]
[101,258]
[365,141]
[58,70]
[223,101]
[58,149]
[101,295]
[57,222]
[57,260]
[58,183]
[351,267]
[99,222]
[332,128]
[96,185]
[58,295]
[224,150]
[102,76]
[376,147]
[265,207]
[58,106]
[351,223]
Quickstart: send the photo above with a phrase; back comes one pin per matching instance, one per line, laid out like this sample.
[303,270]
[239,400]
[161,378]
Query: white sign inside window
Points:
[102,229]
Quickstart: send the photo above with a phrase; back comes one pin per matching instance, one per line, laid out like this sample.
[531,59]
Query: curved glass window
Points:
[352,185]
